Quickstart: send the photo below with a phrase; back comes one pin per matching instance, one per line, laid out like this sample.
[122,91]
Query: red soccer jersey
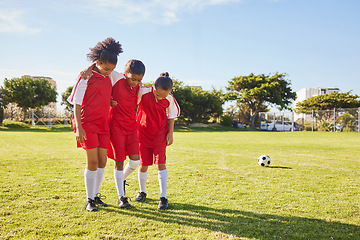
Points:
[94,96]
[122,117]
[152,117]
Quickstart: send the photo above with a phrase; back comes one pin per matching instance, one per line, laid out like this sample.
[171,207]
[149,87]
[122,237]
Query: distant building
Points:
[196,87]
[306,93]
[52,105]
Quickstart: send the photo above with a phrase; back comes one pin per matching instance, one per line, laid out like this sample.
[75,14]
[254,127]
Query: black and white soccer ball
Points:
[264,160]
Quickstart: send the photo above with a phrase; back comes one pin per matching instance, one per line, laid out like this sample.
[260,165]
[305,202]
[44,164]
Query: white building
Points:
[306,93]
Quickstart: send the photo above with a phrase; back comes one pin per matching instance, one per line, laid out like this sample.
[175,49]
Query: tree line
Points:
[251,93]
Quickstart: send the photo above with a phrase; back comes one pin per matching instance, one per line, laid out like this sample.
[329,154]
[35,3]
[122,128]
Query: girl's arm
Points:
[80,132]
[169,137]
[87,72]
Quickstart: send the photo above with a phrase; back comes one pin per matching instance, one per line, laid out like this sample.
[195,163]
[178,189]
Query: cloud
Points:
[154,11]
[12,22]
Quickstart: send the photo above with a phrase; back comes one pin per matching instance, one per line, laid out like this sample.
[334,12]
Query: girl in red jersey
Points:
[122,121]
[123,135]
[155,124]
[91,99]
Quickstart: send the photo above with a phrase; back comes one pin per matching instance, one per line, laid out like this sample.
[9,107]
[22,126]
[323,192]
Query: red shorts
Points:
[152,155]
[122,145]
[95,140]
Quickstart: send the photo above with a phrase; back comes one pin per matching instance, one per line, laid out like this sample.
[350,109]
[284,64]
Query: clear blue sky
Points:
[199,42]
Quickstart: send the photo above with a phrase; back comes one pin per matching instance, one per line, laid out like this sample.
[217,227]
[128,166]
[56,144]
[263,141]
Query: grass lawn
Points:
[216,189]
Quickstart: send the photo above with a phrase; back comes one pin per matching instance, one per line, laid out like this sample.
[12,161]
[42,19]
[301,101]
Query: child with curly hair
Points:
[91,99]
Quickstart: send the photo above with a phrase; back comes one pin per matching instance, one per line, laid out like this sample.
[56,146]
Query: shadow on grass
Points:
[242,223]
[279,167]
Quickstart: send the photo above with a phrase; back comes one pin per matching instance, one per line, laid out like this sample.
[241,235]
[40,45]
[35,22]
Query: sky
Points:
[199,42]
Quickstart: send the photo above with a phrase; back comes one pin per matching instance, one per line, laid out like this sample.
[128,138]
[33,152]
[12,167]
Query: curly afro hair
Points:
[105,51]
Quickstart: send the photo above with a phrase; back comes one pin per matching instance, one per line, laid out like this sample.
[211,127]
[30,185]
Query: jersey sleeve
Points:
[143,90]
[173,111]
[115,77]
[78,92]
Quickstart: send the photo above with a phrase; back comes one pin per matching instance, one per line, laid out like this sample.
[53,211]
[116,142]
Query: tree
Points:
[28,93]
[260,91]
[329,101]
[64,97]
[3,103]
[197,105]
[206,104]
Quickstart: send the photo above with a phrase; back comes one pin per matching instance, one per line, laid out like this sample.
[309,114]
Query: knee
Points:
[134,164]
[119,166]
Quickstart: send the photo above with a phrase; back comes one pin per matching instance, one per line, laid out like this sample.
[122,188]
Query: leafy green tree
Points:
[28,93]
[259,91]
[329,101]
[3,103]
[206,105]
[197,105]
[241,112]
[64,97]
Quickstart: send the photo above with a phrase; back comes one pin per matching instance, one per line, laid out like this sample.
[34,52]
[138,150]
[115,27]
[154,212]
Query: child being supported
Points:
[122,119]
[155,124]
[91,99]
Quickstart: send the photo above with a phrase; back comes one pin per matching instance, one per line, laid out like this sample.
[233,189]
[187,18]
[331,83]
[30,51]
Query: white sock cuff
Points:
[101,170]
[133,164]
[142,175]
[162,172]
[118,173]
[90,174]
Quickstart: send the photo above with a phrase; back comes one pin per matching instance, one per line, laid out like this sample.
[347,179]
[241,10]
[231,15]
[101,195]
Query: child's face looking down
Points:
[133,79]
[161,94]
[105,68]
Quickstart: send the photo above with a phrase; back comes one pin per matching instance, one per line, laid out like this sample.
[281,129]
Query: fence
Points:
[49,120]
[39,117]
[334,120]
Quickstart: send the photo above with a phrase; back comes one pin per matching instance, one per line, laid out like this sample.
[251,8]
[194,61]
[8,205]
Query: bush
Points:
[348,122]
[13,124]
[226,121]
[325,126]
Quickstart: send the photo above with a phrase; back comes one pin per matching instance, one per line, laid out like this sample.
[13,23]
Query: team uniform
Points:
[122,119]
[93,95]
[152,125]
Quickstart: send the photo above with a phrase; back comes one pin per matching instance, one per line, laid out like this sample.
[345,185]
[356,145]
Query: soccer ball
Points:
[264,160]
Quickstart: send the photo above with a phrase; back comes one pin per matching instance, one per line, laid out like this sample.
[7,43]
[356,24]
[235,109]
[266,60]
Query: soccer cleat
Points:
[90,205]
[140,197]
[163,203]
[98,200]
[123,202]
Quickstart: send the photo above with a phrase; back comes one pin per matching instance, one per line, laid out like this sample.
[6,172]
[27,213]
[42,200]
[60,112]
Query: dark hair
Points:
[134,66]
[164,82]
[105,51]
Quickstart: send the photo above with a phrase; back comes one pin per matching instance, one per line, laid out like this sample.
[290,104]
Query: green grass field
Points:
[216,189]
